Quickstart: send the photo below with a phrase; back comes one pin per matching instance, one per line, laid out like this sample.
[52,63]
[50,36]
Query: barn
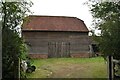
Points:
[56,36]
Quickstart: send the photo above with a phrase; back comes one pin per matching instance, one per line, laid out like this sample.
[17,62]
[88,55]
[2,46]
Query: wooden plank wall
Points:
[58,49]
[79,42]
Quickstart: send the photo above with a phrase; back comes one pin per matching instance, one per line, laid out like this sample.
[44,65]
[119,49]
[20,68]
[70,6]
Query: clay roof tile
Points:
[54,23]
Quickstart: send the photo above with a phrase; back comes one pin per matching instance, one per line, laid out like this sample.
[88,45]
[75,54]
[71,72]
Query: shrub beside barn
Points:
[56,36]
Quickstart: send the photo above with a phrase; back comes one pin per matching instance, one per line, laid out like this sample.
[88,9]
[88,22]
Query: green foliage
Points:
[107,15]
[13,46]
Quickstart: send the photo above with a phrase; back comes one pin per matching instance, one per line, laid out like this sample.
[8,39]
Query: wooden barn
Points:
[56,36]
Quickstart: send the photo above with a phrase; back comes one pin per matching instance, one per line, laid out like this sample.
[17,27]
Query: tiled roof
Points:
[54,23]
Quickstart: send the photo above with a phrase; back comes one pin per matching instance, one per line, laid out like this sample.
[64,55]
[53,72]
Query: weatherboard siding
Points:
[38,40]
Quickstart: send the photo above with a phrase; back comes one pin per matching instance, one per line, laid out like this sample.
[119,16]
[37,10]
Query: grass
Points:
[69,68]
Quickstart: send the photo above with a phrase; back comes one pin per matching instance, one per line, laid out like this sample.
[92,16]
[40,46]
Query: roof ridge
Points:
[54,16]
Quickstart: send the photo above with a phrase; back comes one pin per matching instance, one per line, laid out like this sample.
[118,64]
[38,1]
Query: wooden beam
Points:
[110,67]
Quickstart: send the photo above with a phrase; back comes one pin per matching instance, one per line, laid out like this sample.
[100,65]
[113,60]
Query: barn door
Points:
[58,49]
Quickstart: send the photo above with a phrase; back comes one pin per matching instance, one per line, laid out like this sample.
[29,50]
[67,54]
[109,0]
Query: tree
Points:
[13,46]
[107,19]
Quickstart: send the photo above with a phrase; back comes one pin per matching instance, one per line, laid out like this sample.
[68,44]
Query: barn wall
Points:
[79,42]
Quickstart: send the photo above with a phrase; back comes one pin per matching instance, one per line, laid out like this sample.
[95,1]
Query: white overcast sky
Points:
[73,8]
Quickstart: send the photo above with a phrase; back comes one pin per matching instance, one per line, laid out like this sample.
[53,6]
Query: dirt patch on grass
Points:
[76,71]
[70,68]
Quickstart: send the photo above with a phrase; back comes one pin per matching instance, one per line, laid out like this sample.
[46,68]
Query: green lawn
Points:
[69,68]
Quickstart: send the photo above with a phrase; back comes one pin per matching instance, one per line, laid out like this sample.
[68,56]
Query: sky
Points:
[72,8]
